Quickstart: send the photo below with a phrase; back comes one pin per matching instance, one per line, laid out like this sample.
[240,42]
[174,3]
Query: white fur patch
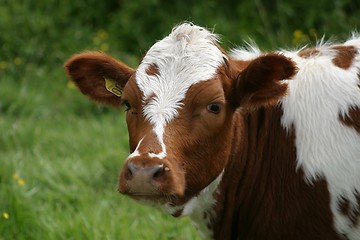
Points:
[136,152]
[202,205]
[247,53]
[325,146]
[185,57]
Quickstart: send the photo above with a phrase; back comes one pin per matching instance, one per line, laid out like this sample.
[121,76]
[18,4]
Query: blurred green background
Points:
[60,154]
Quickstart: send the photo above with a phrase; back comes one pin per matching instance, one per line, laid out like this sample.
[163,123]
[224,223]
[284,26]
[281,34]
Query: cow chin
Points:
[169,202]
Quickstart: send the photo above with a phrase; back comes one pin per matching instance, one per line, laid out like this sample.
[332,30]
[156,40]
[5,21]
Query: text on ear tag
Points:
[112,86]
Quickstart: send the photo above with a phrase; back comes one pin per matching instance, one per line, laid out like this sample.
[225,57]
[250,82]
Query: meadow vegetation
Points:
[60,154]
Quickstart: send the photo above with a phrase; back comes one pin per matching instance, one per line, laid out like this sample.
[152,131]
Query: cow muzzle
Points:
[151,179]
[145,180]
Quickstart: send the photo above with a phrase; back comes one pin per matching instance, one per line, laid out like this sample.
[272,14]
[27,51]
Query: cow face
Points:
[180,104]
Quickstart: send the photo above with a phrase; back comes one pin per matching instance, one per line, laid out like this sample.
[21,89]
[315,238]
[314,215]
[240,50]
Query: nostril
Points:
[131,170]
[128,174]
[160,173]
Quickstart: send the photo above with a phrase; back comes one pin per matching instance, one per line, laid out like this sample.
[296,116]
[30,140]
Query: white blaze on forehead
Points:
[185,57]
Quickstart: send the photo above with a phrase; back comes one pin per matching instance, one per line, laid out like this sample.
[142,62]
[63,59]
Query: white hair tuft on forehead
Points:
[191,33]
[188,55]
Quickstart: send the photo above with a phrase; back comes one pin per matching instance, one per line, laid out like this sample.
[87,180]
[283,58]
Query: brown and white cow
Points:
[250,145]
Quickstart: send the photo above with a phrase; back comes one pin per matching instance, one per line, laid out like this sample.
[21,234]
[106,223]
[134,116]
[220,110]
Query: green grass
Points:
[60,154]
[60,157]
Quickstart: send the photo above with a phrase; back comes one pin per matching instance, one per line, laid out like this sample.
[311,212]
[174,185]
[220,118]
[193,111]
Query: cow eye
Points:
[214,108]
[127,105]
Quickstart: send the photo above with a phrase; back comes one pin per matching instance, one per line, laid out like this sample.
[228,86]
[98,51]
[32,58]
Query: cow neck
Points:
[261,195]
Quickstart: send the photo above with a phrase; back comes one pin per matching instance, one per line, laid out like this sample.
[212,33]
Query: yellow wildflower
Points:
[21,182]
[71,85]
[17,61]
[298,34]
[6,215]
[104,47]
[102,34]
[300,37]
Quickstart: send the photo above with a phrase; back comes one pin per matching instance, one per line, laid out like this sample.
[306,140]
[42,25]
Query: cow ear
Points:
[99,76]
[259,84]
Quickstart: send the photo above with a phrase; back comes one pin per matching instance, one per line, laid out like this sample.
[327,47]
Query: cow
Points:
[248,144]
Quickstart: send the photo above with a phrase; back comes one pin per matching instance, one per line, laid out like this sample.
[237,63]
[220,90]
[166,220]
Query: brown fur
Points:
[307,53]
[351,211]
[344,206]
[344,56]
[152,70]
[355,217]
[352,119]
[263,196]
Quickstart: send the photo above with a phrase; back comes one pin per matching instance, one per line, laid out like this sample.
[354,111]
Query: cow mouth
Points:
[170,203]
[143,194]
[172,199]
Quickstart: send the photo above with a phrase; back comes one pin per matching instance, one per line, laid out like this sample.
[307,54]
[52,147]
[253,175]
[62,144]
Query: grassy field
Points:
[60,156]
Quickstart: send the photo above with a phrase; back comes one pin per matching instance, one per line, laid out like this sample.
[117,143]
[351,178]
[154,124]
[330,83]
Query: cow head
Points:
[180,103]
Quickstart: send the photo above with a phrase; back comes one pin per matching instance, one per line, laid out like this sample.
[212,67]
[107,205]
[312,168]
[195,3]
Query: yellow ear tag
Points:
[113,87]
